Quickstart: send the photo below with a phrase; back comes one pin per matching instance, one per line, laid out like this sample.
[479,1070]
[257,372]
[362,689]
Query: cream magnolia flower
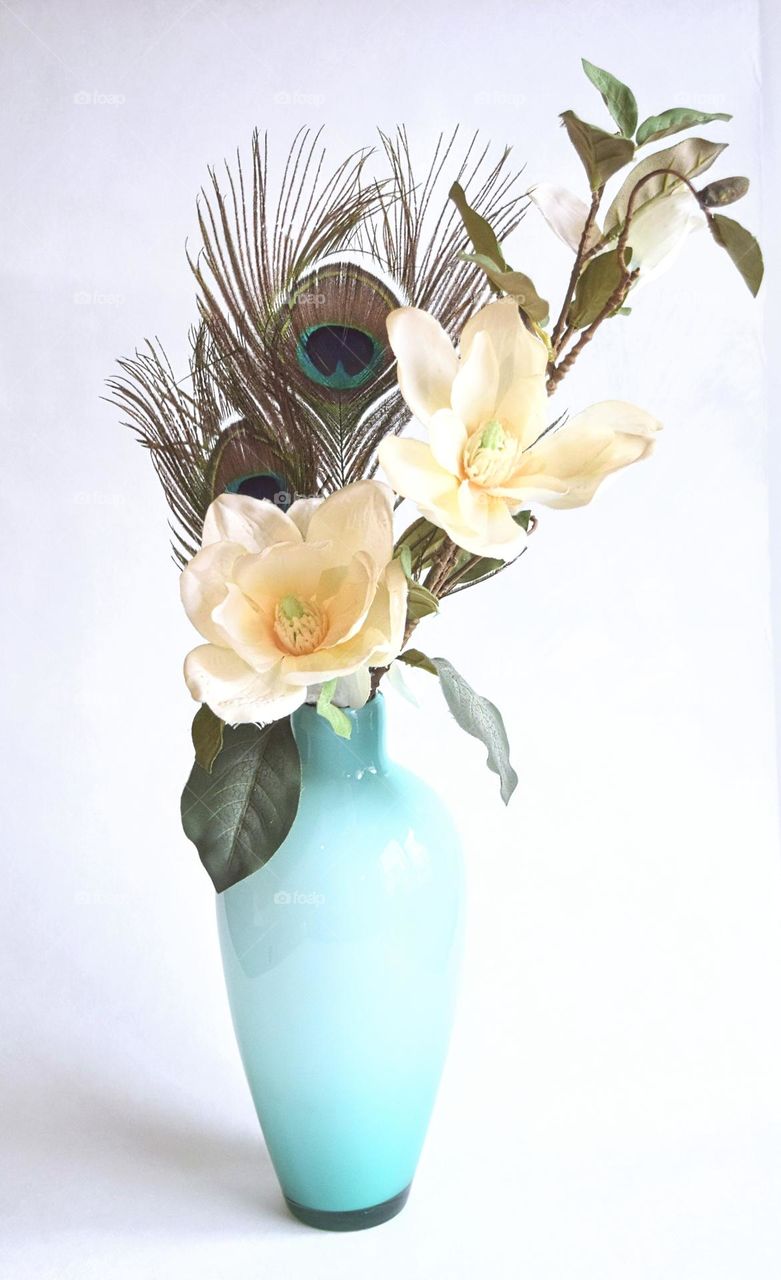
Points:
[489,454]
[565,213]
[286,601]
[657,232]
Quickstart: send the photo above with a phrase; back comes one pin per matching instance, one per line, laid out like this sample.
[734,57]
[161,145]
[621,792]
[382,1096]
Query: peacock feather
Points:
[291,385]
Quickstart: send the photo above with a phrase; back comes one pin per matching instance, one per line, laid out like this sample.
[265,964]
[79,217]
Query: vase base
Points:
[349,1219]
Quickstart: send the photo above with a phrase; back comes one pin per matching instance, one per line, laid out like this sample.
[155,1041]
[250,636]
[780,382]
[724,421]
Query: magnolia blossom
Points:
[657,231]
[565,213]
[489,453]
[289,601]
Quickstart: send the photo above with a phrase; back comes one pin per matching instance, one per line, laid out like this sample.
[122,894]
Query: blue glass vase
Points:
[341,960]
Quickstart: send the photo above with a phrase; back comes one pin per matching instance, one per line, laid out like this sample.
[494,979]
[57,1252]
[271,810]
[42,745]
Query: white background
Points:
[612,1102]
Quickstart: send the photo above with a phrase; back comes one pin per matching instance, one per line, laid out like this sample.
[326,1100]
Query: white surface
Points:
[611,1107]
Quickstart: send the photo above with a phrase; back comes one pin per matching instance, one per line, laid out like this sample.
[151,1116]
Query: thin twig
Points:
[615,301]
[441,566]
[581,257]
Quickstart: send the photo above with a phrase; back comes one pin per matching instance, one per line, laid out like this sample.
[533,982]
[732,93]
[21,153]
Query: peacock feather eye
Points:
[333,324]
[242,461]
[339,356]
[264,485]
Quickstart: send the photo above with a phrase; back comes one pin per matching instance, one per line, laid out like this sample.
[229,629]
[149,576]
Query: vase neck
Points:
[323,753]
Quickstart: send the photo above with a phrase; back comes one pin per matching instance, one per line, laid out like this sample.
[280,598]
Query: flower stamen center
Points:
[490,455]
[299,625]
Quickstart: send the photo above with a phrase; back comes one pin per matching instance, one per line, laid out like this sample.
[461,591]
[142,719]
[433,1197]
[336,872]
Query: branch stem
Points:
[581,257]
[562,335]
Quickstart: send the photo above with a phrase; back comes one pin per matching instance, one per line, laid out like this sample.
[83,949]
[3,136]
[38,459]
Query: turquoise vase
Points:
[341,960]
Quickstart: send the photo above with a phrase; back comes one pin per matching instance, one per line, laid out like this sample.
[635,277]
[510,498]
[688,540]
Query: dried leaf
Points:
[741,246]
[688,158]
[602,154]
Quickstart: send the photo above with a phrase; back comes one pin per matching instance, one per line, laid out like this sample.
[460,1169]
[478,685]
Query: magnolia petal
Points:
[387,616]
[608,436]
[203,584]
[476,387]
[521,397]
[565,214]
[427,362]
[514,345]
[447,437]
[325,664]
[255,523]
[357,518]
[530,488]
[445,512]
[283,570]
[236,693]
[413,470]
[659,230]
[477,522]
[488,527]
[301,512]
[353,690]
[348,605]
[247,629]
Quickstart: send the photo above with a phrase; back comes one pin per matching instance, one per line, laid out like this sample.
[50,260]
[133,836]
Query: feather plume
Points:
[292,383]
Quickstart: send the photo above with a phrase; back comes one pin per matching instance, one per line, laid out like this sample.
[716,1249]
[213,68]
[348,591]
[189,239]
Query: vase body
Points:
[341,960]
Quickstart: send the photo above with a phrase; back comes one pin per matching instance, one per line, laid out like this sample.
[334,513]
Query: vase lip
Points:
[320,746]
[373,705]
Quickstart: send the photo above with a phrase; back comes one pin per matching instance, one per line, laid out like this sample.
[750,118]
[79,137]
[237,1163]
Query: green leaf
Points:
[598,282]
[690,157]
[619,100]
[480,231]
[481,568]
[602,154]
[723,191]
[338,720]
[424,540]
[416,658]
[480,718]
[207,734]
[488,255]
[741,247]
[673,121]
[238,815]
[420,601]
[514,283]
[476,715]
[404,557]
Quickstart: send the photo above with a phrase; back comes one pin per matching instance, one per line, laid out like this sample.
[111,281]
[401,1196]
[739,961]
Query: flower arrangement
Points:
[363,299]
